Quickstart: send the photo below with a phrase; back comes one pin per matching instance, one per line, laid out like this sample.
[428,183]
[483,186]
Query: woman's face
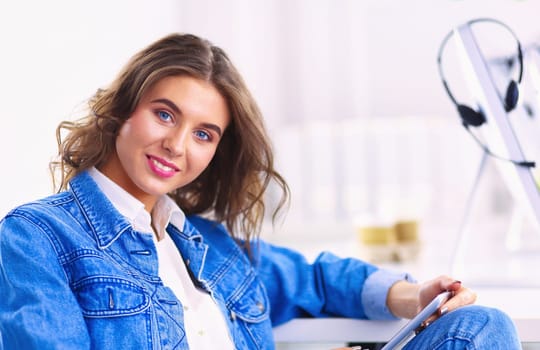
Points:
[169,139]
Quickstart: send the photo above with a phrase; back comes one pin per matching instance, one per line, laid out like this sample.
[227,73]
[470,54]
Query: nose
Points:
[175,142]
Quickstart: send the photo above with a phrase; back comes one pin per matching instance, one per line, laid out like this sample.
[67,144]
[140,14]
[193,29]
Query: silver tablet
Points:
[407,332]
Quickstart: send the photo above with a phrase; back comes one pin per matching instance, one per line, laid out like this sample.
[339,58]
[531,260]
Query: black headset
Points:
[471,117]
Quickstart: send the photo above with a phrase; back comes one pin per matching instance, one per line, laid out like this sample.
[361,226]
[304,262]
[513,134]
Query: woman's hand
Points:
[461,296]
[407,299]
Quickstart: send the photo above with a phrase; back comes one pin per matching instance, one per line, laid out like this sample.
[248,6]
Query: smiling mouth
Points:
[162,167]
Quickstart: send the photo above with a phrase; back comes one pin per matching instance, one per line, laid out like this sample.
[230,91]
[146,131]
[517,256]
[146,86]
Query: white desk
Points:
[325,330]
[348,330]
[521,304]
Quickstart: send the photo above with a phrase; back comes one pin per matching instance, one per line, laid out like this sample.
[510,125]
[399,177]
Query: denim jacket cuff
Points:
[375,291]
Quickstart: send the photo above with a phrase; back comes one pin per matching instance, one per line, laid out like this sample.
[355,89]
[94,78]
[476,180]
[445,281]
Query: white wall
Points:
[323,59]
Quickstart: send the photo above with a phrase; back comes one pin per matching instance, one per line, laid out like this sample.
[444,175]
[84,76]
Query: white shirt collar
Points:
[165,210]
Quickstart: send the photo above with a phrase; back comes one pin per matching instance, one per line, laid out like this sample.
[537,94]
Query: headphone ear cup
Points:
[511,97]
[470,117]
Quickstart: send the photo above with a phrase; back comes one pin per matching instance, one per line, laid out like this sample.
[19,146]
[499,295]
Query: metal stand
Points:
[457,256]
[512,263]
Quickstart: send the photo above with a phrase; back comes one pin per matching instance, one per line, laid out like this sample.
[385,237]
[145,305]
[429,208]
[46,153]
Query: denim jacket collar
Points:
[105,228]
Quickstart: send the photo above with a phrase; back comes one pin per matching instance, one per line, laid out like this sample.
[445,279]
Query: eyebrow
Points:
[175,108]
[167,102]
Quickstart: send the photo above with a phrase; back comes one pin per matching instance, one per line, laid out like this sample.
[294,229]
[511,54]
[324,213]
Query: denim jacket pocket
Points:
[252,304]
[250,309]
[110,297]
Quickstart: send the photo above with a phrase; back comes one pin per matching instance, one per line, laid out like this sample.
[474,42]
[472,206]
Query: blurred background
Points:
[363,130]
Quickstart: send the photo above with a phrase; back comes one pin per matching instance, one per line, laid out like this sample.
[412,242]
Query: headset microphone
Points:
[523,163]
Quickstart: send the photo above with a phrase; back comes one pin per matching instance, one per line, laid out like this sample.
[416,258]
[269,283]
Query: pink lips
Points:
[161,167]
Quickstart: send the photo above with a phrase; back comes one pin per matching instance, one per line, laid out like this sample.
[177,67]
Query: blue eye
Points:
[166,117]
[202,135]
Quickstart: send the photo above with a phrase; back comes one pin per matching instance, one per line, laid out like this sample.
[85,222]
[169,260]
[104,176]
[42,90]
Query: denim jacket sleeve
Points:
[32,291]
[329,286]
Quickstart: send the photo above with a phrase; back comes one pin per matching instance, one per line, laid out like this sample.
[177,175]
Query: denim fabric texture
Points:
[471,327]
[75,275]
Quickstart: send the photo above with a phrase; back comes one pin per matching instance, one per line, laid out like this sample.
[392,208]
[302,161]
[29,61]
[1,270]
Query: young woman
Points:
[152,241]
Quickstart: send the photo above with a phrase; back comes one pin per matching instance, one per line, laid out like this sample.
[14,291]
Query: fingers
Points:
[434,287]
[461,296]
[452,286]
[445,283]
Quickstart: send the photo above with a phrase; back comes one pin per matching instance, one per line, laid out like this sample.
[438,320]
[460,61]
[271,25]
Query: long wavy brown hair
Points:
[231,189]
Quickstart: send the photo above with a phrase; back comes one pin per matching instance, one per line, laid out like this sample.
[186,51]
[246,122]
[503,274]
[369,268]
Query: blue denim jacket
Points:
[75,275]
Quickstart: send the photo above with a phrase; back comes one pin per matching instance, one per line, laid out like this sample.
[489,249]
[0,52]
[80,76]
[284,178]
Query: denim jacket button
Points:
[260,306]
